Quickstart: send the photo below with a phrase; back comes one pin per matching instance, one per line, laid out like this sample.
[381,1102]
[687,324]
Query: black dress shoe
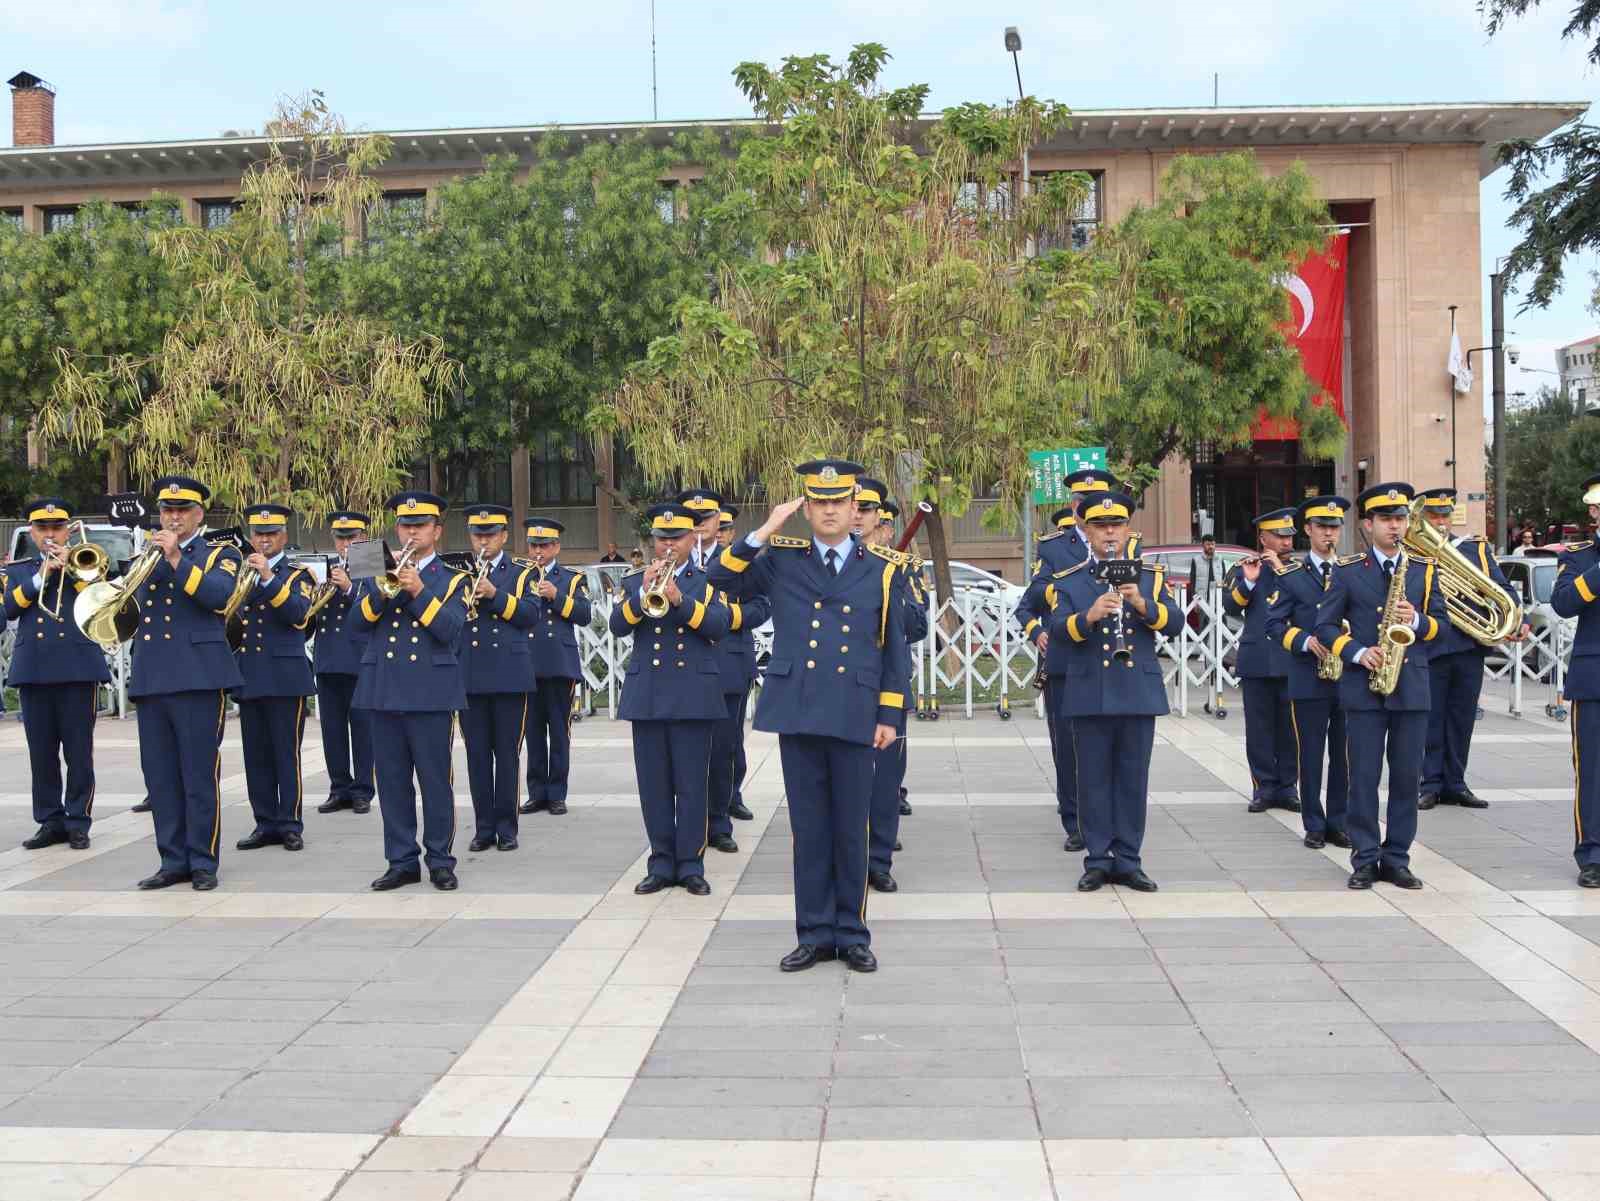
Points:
[78,840]
[1400,877]
[897,845]
[1363,877]
[163,879]
[47,836]
[257,839]
[1467,800]
[555,808]
[293,842]
[481,843]
[1338,838]
[360,805]
[741,811]
[882,882]
[1292,804]
[695,886]
[724,843]
[1073,843]
[905,806]
[443,878]
[1315,841]
[1589,877]
[530,806]
[203,881]
[859,958]
[141,807]
[1427,800]
[1136,880]
[804,956]
[397,877]
[335,803]
[1093,880]
[505,844]
[651,884]
[1258,805]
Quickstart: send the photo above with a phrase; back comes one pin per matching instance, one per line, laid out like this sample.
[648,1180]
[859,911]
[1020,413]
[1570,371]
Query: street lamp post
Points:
[1013,44]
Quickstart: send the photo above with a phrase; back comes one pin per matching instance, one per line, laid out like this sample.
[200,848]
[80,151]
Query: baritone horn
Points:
[107,611]
[1476,605]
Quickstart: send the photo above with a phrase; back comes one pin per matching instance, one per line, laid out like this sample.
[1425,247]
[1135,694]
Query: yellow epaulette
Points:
[1066,571]
[1576,546]
[521,562]
[918,563]
[898,557]
[783,540]
[632,575]
[1347,560]
[1050,535]
[1294,565]
[1155,567]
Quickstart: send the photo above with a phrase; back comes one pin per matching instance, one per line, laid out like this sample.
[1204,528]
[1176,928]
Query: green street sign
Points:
[1048,466]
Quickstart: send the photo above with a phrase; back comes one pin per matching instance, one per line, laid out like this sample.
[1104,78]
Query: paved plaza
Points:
[1252,1032]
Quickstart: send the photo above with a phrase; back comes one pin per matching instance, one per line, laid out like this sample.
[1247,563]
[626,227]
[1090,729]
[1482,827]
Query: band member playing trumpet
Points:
[57,672]
[498,662]
[182,672]
[1115,693]
[1577,586]
[412,682]
[1313,691]
[277,680]
[563,606]
[341,641]
[672,695]
[1263,667]
[1455,671]
[1385,612]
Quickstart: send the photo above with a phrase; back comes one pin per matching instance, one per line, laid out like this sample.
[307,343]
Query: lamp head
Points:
[1013,39]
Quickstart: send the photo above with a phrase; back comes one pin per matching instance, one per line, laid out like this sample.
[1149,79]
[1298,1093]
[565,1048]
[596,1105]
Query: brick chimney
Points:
[33,111]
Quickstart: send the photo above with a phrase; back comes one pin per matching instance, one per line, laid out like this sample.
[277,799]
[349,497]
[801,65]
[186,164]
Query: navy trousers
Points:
[740,764]
[672,760]
[549,738]
[59,722]
[1113,788]
[1319,729]
[1586,770]
[1269,738]
[271,729]
[827,783]
[493,725]
[1371,736]
[180,750]
[1064,755]
[727,736]
[889,769]
[1457,682]
[346,738]
[416,754]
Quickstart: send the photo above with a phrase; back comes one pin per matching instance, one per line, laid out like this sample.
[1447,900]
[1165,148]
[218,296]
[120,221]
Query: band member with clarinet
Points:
[736,657]
[1386,613]
[1577,586]
[182,672]
[1455,671]
[271,648]
[832,689]
[1262,666]
[705,506]
[563,606]
[497,659]
[411,680]
[673,696]
[1315,714]
[341,642]
[1114,690]
[745,636]
[57,672]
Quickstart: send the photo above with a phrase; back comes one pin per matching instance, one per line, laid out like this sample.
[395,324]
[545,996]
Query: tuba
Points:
[1476,605]
[1393,634]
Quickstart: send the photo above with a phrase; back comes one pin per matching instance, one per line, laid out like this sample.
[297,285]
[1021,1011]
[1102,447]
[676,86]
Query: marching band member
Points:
[705,506]
[497,660]
[277,679]
[831,692]
[411,681]
[1114,691]
[1263,667]
[57,672]
[1455,671]
[182,673]
[1314,710]
[736,657]
[336,661]
[563,606]
[746,636]
[1577,586]
[1377,726]
[673,696]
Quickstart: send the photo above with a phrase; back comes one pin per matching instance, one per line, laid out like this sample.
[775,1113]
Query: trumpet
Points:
[388,584]
[480,572]
[84,562]
[653,593]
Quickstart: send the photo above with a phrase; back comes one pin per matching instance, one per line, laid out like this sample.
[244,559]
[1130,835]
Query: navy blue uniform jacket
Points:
[413,664]
[497,649]
[1096,684]
[674,673]
[1577,585]
[1356,595]
[555,634]
[47,650]
[272,653]
[1292,622]
[1261,656]
[181,643]
[342,634]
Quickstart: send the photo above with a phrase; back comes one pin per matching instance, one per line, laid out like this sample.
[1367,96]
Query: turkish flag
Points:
[1316,299]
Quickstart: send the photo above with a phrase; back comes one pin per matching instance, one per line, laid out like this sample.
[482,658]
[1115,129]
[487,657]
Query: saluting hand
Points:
[778,516]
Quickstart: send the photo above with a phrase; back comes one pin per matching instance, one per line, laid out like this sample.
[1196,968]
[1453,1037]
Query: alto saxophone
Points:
[1393,634]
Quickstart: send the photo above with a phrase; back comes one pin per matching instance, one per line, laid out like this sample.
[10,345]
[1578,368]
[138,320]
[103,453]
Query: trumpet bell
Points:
[655,605]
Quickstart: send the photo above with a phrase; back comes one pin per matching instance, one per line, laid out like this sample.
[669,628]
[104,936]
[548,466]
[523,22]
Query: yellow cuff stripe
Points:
[193,582]
[1339,644]
[1239,598]
[732,561]
[431,611]
[699,615]
[1584,590]
[1433,630]
[566,607]
[1291,636]
[1160,622]
[21,600]
[1072,629]
[510,607]
[283,594]
[628,614]
[891,700]
[370,613]
[738,615]
[1027,630]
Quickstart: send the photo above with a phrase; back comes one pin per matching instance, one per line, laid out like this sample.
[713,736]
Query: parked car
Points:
[117,541]
[1532,573]
[1181,561]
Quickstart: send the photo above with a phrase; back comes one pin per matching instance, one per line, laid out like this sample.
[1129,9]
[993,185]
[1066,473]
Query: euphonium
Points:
[107,611]
[653,595]
[1394,635]
[1476,605]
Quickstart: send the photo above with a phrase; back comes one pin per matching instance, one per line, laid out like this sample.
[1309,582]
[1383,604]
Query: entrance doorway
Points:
[1238,484]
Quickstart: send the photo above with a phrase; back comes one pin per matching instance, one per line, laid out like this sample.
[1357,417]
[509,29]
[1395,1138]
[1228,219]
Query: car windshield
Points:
[1544,582]
[118,544]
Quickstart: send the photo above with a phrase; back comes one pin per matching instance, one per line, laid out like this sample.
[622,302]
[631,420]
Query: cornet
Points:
[388,584]
[653,594]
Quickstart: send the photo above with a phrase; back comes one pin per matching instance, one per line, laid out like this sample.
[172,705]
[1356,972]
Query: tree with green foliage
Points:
[898,317]
[256,389]
[1212,312]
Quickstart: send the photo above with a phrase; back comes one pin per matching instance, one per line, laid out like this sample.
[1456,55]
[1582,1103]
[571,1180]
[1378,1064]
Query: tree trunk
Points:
[116,470]
[939,550]
[435,475]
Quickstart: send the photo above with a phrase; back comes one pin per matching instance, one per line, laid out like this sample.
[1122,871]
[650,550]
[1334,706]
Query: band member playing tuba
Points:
[340,643]
[57,672]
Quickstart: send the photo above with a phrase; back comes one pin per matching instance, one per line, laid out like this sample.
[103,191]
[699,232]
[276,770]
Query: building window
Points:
[561,470]
[1076,230]
[396,212]
[59,219]
[214,214]
[667,201]
[11,219]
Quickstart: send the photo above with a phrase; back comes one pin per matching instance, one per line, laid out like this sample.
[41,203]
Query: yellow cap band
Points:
[1438,502]
[1393,497]
[1067,522]
[267,519]
[417,508]
[1277,523]
[700,503]
[49,513]
[1326,511]
[1091,486]
[543,531]
[1105,508]
[174,492]
[673,523]
[868,496]
[348,523]
[725,517]
[829,483]
[485,519]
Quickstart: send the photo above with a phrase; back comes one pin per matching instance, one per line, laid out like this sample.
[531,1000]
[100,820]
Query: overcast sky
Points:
[132,70]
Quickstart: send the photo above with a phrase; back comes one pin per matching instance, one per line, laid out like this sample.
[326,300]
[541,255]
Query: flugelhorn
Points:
[388,584]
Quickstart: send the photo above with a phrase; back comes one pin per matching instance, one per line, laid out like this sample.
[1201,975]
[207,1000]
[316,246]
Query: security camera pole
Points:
[1497,338]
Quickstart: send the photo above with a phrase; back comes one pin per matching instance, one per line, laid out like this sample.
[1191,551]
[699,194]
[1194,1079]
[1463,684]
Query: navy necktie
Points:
[832,560]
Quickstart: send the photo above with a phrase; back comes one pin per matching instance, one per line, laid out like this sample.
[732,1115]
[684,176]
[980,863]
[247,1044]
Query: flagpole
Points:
[1454,397]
